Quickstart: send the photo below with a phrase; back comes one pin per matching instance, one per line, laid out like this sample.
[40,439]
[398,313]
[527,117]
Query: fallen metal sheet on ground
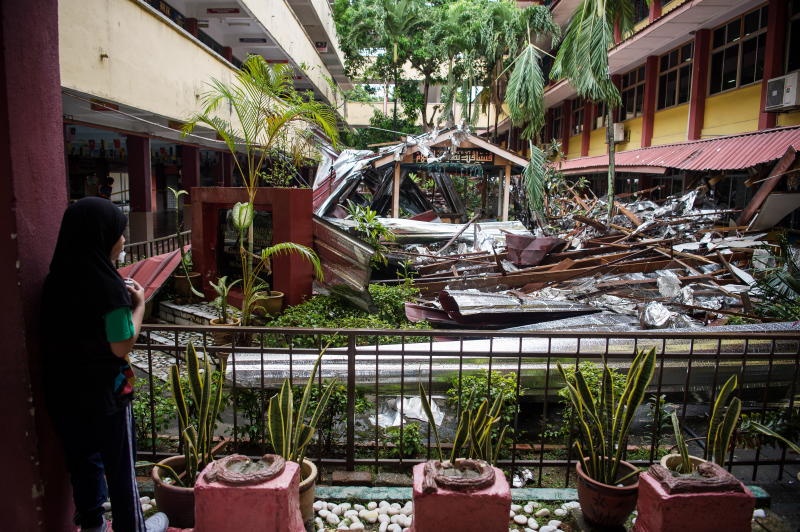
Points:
[604,321]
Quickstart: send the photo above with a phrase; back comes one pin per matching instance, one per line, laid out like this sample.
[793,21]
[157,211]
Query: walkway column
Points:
[506,192]
[140,185]
[396,191]
[773,56]
[227,169]
[190,178]
[655,10]
[697,100]
[566,125]
[588,117]
[649,104]
[33,196]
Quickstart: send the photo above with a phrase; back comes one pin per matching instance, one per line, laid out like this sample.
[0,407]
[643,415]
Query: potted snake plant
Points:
[607,485]
[291,430]
[223,288]
[174,477]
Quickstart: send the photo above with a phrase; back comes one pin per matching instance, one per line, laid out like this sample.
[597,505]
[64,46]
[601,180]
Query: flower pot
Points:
[226,337]
[175,501]
[271,305]
[308,480]
[671,461]
[604,505]
[182,287]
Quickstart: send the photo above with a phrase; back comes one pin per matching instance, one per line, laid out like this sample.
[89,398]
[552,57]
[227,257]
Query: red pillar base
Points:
[659,511]
[273,505]
[479,511]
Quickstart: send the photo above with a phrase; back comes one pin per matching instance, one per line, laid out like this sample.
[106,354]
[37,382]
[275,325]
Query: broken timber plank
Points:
[590,221]
[628,214]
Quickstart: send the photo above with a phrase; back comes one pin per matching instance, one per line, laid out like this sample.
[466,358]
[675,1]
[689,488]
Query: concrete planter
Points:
[605,505]
[182,287]
[271,305]
[671,461]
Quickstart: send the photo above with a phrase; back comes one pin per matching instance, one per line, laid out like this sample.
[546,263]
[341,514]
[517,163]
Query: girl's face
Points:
[117,248]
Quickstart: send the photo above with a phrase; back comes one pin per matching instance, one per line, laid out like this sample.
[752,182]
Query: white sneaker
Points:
[157,523]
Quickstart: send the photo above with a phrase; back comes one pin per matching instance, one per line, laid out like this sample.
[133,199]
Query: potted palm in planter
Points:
[290,432]
[174,477]
[223,289]
[607,485]
[185,279]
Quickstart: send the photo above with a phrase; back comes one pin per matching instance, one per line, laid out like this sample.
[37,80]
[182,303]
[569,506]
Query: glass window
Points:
[557,122]
[641,10]
[737,56]
[793,37]
[632,92]
[577,117]
[675,76]
[600,112]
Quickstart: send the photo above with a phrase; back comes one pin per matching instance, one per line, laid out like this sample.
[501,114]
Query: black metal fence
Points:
[383,364]
[136,251]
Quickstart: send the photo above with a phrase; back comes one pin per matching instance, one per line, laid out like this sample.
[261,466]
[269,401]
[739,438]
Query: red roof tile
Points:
[732,152]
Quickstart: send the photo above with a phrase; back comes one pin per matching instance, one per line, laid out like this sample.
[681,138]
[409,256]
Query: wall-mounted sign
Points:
[461,155]
[222,10]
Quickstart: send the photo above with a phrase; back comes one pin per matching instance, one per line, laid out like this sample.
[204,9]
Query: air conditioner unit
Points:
[782,92]
[618,130]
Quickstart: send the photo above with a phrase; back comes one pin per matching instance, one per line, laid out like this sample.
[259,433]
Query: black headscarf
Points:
[81,269]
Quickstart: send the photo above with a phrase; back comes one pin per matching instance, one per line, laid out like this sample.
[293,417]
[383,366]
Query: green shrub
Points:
[162,407]
[476,387]
[412,441]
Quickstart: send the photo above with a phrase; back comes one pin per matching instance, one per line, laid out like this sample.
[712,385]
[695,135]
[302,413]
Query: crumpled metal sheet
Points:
[389,412]
[668,284]
[602,321]
[654,315]
[524,250]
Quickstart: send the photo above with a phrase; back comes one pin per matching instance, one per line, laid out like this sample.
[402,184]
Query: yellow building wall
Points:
[597,142]
[672,5]
[634,128]
[789,119]
[574,146]
[732,112]
[669,125]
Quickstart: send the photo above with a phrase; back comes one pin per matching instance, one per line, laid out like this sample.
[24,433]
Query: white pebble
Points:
[332,519]
[342,526]
[531,529]
[532,524]
[383,518]
[147,507]
[759,513]
[394,527]
[408,508]
[560,512]
[528,509]
[357,526]
[406,530]
[106,506]
[544,512]
[346,506]
[324,513]
[520,519]
[384,526]
[153,502]
[144,500]
[318,505]
[372,505]
[396,517]
[516,507]
[350,513]
[338,510]
[319,523]
[554,523]
[570,505]
[534,504]
[370,516]
[331,506]
[511,514]
[548,528]
[383,504]
[358,507]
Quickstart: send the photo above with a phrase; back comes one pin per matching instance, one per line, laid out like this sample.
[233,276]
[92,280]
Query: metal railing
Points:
[136,251]
[385,364]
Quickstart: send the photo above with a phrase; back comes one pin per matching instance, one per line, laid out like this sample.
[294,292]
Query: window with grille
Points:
[675,76]
[641,11]
[577,117]
[632,91]
[793,37]
[600,112]
[737,52]
[558,122]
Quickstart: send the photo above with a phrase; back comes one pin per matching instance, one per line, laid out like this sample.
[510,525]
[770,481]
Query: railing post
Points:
[351,402]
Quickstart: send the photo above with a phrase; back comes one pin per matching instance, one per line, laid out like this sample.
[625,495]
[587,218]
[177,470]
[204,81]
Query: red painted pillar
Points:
[548,126]
[227,53]
[227,169]
[190,25]
[140,185]
[566,121]
[588,116]
[649,104]
[33,194]
[697,100]
[655,10]
[617,32]
[190,169]
[773,56]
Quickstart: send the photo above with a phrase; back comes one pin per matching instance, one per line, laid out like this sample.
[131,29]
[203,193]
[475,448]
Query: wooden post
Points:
[506,191]
[396,191]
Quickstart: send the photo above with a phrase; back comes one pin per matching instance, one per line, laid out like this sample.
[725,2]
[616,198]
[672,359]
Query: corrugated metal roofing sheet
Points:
[733,152]
[153,272]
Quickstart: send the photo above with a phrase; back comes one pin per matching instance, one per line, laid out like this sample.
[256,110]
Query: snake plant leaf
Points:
[771,433]
[301,411]
[203,406]
[275,425]
[724,434]
[717,413]
[286,404]
[304,435]
[426,406]
[322,402]
[242,215]
[680,442]
[179,399]
[500,441]
[193,372]
[462,435]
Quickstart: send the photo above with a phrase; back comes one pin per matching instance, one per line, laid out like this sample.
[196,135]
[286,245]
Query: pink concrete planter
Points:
[272,505]
[484,510]
[660,511]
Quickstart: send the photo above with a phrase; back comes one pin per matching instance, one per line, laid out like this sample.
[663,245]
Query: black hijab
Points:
[82,278]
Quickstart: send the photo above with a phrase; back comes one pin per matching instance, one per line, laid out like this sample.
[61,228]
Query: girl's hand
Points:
[136,291]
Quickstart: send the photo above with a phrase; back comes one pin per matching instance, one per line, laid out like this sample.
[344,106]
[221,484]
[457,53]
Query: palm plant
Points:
[604,420]
[223,288]
[582,59]
[266,112]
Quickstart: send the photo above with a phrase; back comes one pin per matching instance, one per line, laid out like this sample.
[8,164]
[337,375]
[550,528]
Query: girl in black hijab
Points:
[88,377]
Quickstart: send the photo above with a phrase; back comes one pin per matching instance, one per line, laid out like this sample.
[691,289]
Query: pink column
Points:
[773,56]
[566,127]
[33,196]
[649,105]
[141,185]
[190,169]
[697,101]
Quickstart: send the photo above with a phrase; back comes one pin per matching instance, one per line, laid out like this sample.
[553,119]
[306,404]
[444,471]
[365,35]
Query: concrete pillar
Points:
[227,169]
[190,25]
[396,191]
[33,196]
[566,125]
[777,13]
[506,192]
[140,185]
[588,118]
[697,100]
[227,53]
[655,10]
[190,178]
[649,105]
